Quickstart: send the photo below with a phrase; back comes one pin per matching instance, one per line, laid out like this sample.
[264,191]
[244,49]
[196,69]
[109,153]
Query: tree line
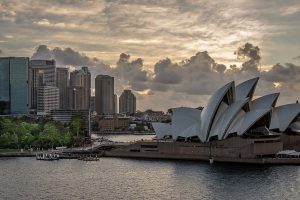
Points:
[25,133]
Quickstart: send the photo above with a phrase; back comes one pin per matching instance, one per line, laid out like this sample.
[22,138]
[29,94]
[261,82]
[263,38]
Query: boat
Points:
[47,156]
[88,158]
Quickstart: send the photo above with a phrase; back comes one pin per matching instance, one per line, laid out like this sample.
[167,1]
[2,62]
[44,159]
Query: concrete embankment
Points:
[266,161]
[18,154]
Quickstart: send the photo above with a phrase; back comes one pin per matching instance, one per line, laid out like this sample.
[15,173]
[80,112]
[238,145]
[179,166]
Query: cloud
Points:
[288,73]
[251,54]
[297,57]
[195,77]
[72,59]
[131,73]
[166,72]
[66,56]
[152,30]
[202,75]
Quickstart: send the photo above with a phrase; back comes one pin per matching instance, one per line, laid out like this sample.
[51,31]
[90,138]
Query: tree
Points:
[27,140]
[77,126]
[50,136]
[67,139]
[95,126]
[5,141]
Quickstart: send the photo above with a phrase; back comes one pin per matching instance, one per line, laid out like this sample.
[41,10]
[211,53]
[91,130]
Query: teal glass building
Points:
[14,98]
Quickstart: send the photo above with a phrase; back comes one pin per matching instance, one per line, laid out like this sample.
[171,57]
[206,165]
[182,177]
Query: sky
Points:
[170,53]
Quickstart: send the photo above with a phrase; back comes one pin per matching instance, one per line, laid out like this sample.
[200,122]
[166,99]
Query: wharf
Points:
[153,155]
[18,154]
[161,150]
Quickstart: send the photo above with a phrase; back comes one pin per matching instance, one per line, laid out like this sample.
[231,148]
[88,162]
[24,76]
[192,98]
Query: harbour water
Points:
[115,178]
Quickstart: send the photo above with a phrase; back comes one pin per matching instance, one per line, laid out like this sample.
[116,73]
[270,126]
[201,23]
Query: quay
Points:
[232,150]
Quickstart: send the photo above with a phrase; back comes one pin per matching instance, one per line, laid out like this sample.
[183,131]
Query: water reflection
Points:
[114,178]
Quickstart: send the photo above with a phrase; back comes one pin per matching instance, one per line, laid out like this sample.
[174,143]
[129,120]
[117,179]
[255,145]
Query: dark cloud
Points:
[199,75]
[130,69]
[220,68]
[71,57]
[166,72]
[128,72]
[251,54]
[67,56]
[297,58]
[131,72]
[42,52]
[202,75]
[288,73]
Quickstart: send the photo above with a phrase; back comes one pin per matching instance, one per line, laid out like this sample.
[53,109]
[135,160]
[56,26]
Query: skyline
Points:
[111,37]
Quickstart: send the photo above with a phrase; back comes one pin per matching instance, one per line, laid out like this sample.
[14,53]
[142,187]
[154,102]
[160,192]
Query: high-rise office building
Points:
[75,98]
[14,92]
[93,103]
[47,99]
[80,79]
[115,103]
[41,73]
[62,79]
[127,102]
[104,93]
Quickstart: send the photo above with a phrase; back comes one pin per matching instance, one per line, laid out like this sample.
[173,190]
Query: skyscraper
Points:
[80,79]
[93,104]
[47,99]
[41,73]
[104,93]
[75,98]
[14,85]
[62,77]
[115,103]
[127,102]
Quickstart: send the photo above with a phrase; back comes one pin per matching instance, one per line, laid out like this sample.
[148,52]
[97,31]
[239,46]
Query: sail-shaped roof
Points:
[209,112]
[246,89]
[223,123]
[284,115]
[266,101]
[161,129]
[231,110]
[185,122]
[244,123]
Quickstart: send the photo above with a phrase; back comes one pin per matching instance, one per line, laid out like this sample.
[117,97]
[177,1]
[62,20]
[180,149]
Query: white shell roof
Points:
[211,109]
[223,123]
[220,118]
[295,126]
[246,121]
[283,116]
[266,101]
[162,129]
[246,89]
[185,122]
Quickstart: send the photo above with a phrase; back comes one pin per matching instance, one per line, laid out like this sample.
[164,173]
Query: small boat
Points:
[88,158]
[47,156]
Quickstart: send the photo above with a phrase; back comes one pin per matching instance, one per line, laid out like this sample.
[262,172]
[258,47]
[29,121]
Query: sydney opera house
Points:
[231,111]
[233,127]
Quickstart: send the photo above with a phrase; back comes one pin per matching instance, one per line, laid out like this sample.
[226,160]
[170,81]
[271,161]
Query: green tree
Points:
[77,126]
[67,139]
[50,136]
[27,140]
[5,141]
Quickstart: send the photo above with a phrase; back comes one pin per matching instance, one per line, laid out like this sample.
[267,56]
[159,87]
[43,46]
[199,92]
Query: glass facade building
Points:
[14,85]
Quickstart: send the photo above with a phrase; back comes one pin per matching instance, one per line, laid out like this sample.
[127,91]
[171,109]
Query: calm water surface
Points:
[114,178]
